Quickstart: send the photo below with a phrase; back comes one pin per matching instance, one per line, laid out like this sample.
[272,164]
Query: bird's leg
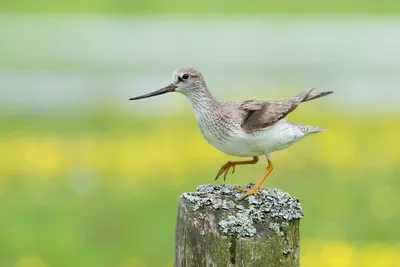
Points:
[254,190]
[225,168]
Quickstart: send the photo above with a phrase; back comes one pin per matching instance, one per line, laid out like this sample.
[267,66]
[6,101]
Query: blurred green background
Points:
[88,178]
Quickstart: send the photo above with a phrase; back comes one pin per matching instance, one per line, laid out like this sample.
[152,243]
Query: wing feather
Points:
[259,114]
[263,113]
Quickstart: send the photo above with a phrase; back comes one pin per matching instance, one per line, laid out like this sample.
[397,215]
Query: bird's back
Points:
[254,127]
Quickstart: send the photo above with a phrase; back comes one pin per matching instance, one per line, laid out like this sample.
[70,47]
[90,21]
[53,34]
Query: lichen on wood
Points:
[216,228]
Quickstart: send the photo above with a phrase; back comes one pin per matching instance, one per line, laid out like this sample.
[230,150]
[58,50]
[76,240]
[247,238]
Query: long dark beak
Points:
[169,88]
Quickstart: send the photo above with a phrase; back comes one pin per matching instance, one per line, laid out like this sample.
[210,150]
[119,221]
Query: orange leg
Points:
[254,190]
[225,168]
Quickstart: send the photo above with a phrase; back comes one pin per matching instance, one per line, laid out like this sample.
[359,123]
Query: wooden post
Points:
[215,228]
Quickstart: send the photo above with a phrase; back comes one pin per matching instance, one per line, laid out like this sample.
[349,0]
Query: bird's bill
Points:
[169,88]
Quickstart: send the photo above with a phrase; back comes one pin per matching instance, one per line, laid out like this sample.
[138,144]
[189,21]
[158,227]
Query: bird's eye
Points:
[185,76]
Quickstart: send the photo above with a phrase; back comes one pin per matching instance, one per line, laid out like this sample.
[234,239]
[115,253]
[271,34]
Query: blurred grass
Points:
[100,189]
[204,7]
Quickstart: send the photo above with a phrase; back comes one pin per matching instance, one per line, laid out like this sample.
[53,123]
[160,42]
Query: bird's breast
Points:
[231,139]
[226,136]
[216,131]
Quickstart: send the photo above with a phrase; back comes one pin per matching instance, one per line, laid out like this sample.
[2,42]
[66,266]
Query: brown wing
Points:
[263,113]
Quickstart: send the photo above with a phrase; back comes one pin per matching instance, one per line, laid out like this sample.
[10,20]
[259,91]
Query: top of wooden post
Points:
[240,217]
[216,228]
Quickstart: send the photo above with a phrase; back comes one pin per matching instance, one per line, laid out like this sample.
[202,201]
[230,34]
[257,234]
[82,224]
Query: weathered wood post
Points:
[215,228]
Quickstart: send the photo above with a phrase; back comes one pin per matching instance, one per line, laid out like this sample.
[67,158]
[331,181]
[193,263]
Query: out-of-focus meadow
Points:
[88,178]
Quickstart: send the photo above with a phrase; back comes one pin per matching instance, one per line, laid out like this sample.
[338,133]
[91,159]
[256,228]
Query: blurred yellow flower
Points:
[31,261]
[132,262]
[346,144]
[343,254]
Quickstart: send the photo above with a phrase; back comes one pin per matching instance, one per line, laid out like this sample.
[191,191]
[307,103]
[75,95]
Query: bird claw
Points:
[251,191]
[224,170]
[226,173]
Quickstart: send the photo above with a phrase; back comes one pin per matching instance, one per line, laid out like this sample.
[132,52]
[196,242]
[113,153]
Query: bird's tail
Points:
[307,129]
[314,129]
[308,95]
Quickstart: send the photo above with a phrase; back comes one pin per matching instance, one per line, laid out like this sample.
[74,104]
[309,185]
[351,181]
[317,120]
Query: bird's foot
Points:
[225,169]
[247,192]
[231,164]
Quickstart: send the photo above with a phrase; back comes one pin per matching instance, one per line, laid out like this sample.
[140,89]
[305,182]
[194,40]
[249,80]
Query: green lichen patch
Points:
[279,227]
[239,225]
[242,216]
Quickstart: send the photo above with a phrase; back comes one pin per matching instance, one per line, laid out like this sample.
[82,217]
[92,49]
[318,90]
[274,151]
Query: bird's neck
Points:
[203,102]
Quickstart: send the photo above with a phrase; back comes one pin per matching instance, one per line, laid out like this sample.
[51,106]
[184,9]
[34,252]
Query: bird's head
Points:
[187,81]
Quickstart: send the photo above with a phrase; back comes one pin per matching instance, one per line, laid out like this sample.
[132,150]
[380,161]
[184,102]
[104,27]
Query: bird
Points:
[250,128]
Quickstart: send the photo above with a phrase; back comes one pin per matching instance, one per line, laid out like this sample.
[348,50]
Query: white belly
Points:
[241,144]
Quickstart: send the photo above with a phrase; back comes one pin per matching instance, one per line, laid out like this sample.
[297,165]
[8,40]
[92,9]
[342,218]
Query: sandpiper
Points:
[250,128]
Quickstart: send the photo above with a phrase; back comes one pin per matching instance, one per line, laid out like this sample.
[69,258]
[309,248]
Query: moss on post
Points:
[215,228]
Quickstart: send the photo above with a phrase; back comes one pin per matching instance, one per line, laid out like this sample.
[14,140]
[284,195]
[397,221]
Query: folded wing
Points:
[260,114]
